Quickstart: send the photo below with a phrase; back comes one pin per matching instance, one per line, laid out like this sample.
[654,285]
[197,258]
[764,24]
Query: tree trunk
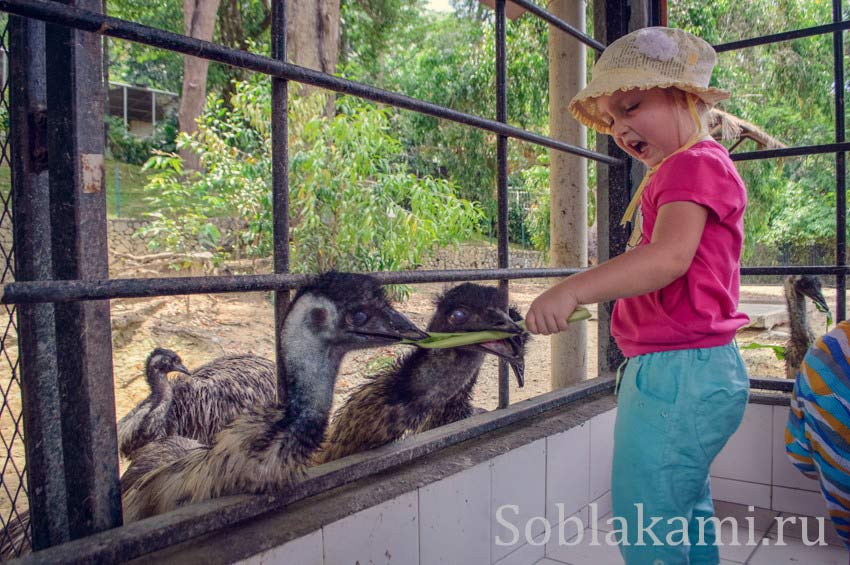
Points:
[312,34]
[198,21]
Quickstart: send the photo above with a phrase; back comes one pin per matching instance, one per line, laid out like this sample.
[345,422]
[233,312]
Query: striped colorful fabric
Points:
[817,438]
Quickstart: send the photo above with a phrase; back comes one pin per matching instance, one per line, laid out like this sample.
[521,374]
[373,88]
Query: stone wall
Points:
[482,256]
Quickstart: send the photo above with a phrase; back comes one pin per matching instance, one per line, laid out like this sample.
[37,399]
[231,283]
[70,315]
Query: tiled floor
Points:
[762,549]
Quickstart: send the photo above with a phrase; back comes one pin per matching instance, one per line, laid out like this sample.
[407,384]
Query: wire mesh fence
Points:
[13,484]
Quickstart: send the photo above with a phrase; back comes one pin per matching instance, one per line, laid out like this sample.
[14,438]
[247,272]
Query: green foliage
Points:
[129,148]
[354,203]
[787,89]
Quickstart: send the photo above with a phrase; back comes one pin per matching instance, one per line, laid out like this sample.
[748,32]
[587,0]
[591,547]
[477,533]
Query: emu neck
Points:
[311,369]
[160,387]
[801,333]
[439,374]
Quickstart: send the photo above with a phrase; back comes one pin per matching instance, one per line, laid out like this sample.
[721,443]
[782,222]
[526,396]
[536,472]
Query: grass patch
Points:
[131,182]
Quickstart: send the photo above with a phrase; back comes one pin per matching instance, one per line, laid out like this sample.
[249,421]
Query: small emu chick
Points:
[148,420]
[797,288]
[264,450]
[428,387]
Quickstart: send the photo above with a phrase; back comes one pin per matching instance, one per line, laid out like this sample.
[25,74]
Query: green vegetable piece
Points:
[441,340]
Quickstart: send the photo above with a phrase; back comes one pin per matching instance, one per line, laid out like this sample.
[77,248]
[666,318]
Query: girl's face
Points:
[650,124]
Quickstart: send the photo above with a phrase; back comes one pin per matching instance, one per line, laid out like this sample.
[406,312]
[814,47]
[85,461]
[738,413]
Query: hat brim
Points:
[584,106]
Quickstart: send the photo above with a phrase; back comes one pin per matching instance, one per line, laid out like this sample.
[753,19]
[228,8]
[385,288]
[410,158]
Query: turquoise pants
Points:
[675,411]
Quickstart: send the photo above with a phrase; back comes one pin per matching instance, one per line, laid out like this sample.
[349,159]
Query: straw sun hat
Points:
[652,57]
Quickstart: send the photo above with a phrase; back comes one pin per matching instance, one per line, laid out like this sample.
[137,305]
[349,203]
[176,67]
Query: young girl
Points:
[685,388]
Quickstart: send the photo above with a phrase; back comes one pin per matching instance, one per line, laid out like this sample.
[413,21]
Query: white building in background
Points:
[139,106]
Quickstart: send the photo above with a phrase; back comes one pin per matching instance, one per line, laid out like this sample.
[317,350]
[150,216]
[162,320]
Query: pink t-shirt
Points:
[700,308]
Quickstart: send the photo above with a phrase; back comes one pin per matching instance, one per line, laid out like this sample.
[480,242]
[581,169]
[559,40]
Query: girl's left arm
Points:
[675,238]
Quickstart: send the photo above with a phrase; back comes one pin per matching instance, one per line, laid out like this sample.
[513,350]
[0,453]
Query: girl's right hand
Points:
[549,312]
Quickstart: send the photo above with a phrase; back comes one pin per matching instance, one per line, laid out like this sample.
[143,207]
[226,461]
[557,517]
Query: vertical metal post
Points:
[840,166]
[280,183]
[613,183]
[75,108]
[153,112]
[33,261]
[502,180]
[126,123]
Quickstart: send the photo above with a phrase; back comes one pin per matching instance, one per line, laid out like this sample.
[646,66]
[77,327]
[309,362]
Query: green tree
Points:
[355,204]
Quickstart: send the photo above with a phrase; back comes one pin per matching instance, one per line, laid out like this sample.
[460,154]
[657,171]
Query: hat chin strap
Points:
[694,139]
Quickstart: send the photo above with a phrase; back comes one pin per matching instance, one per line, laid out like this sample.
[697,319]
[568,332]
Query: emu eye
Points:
[458,316]
[358,318]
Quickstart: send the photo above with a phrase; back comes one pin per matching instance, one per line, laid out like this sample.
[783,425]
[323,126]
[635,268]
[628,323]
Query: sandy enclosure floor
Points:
[203,327]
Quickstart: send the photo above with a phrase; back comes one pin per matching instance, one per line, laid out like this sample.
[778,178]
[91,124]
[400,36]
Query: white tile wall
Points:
[738,549]
[802,502]
[454,518]
[525,554]
[601,452]
[747,455]
[568,471]
[740,492]
[518,479]
[587,551]
[565,532]
[386,533]
[794,552]
[784,473]
[603,504]
[306,550]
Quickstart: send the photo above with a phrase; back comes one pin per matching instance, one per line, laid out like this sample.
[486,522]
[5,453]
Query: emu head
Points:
[472,307]
[808,285]
[347,311]
[162,361]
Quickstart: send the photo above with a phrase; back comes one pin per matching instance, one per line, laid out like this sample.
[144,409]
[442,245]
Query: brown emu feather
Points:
[426,388]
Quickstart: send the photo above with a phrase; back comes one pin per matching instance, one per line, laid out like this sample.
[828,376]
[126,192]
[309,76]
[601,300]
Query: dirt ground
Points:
[203,327]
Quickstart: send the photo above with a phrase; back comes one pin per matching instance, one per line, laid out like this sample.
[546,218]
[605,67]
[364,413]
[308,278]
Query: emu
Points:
[428,387]
[217,392]
[264,450]
[147,421]
[797,288]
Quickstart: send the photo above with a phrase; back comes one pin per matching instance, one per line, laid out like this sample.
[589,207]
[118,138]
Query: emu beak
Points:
[811,287]
[395,326]
[181,368]
[503,322]
[511,349]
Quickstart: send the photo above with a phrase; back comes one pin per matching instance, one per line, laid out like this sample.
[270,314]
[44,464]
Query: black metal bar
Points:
[502,179]
[794,270]
[840,167]
[280,185]
[40,408]
[791,151]
[836,26]
[149,535]
[75,99]
[114,27]
[611,19]
[73,290]
[560,24]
